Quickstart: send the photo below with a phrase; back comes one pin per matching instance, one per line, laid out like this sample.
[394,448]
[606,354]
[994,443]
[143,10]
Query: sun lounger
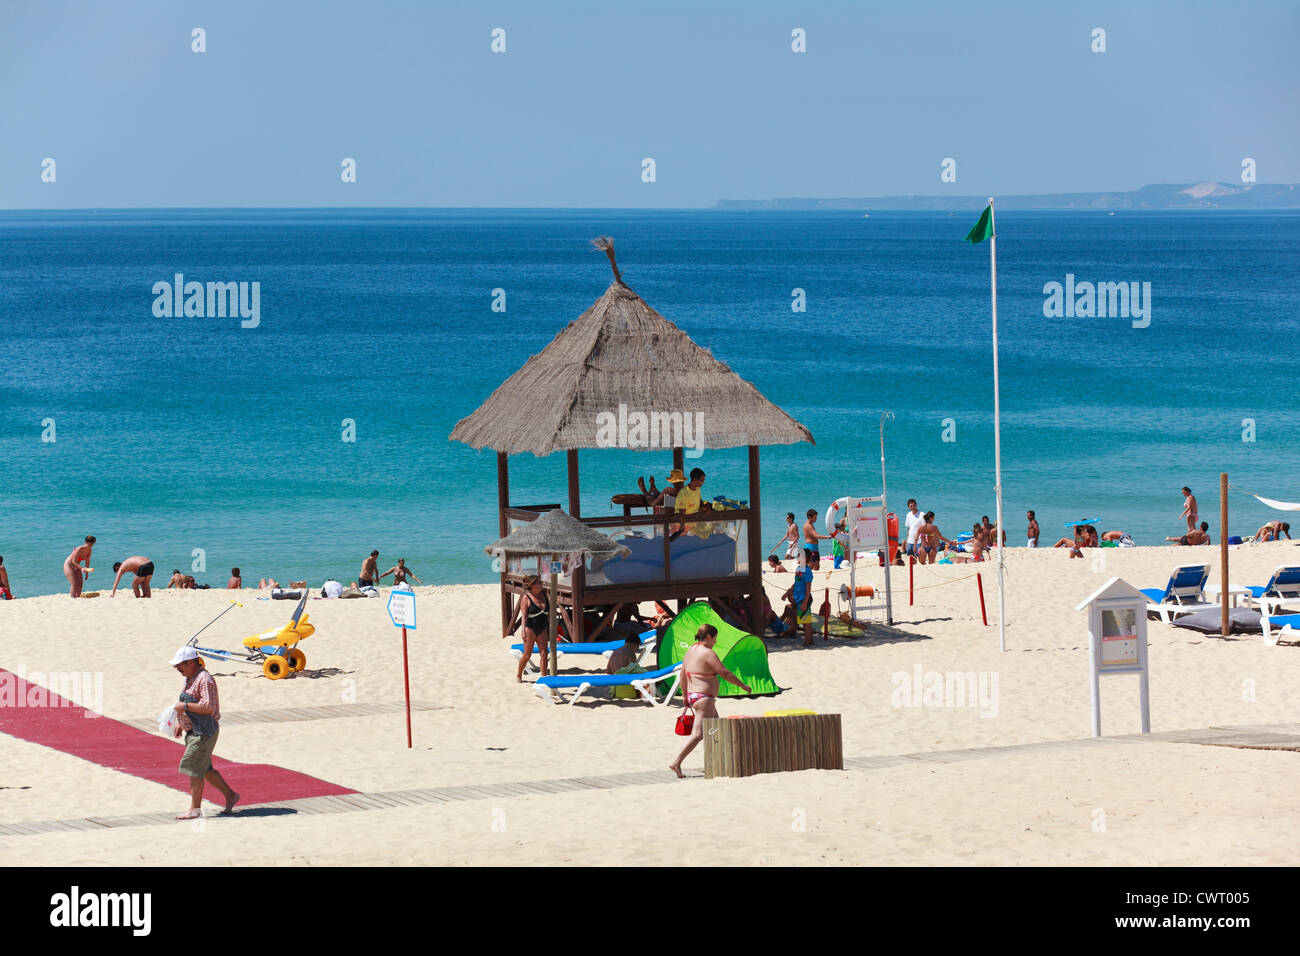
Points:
[1184,594]
[643,684]
[1281,627]
[601,649]
[1284,585]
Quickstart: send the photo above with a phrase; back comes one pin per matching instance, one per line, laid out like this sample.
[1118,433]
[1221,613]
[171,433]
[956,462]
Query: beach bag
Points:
[685,723]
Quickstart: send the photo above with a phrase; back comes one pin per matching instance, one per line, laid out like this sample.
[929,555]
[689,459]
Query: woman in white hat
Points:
[199,712]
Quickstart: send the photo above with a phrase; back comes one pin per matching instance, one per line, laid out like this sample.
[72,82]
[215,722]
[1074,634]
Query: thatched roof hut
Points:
[621,356]
[621,351]
[556,533]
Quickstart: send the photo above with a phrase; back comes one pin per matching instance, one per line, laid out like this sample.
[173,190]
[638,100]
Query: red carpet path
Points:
[65,726]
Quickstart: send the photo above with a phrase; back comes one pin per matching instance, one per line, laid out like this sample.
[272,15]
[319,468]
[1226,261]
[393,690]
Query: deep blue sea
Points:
[176,434]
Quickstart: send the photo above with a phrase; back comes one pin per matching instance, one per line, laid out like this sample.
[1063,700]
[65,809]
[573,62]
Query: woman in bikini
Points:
[701,669]
[535,608]
[72,566]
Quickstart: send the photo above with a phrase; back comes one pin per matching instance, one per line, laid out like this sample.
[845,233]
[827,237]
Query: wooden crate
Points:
[746,746]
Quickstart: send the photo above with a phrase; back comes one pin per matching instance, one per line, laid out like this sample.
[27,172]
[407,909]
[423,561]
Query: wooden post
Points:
[551,617]
[755,531]
[575,509]
[1223,552]
[503,525]
[575,498]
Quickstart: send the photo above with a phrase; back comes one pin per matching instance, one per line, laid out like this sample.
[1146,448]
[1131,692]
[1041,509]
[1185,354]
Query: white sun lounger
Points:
[1184,594]
[1280,627]
[644,684]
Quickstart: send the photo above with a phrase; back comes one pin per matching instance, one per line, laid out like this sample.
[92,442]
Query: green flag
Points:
[982,229]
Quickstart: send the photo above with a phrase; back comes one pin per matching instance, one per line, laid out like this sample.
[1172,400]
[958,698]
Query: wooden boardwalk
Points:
[1263,737]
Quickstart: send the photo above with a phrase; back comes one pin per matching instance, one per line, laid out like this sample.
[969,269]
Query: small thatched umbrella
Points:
[554,534]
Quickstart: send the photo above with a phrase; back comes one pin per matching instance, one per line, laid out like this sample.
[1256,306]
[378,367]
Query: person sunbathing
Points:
[177,579]
[1273,531]
[1194,536]
[775,566]
[975,544]
[1113,535]
[266,583]
[1075,543]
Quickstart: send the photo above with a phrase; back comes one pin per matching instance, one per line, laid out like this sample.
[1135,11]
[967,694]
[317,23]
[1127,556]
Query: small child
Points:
[235,582]
[774,565]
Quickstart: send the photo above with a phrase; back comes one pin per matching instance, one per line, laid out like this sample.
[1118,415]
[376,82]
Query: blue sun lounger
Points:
[1184,594]
[1282,591]
[602,650]
[1280,627]
[644,684]
[1284,585]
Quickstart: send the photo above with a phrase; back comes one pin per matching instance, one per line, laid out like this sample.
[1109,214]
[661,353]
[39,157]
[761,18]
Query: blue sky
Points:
[586,90]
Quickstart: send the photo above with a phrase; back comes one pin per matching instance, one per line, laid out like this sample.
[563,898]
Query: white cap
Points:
[186,653]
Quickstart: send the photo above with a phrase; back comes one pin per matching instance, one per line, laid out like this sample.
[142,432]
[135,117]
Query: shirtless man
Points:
[400,573]
[76,575]
[1033,530]
[1112,536]
[791,539]
[177,579]
[1189,508]
[143,569]
[369,576]
[812,540]
[1194,536]
[928,537]
[701,669]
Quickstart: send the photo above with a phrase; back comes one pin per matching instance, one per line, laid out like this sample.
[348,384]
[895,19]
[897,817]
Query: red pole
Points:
[911,560]
[406,676]
[979,580]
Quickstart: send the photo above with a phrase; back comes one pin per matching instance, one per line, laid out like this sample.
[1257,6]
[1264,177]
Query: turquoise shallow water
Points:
[175,434]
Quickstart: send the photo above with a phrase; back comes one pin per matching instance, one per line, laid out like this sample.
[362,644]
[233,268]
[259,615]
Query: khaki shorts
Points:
[198,754]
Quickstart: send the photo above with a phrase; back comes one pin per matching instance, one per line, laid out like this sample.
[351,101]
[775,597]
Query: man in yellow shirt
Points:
[688,501]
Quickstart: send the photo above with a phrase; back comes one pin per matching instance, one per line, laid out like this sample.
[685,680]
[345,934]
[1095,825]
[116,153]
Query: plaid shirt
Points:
[204,687]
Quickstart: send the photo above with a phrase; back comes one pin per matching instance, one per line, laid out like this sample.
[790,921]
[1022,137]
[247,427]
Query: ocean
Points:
[203,444]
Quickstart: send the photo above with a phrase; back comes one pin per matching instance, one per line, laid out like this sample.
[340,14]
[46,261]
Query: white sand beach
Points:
[1114,802]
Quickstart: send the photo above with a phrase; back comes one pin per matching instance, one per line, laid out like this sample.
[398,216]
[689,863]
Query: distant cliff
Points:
[1204,195]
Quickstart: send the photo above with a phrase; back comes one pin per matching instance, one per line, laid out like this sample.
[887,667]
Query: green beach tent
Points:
[743,654]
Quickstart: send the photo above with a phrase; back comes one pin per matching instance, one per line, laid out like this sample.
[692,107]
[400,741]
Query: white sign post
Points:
[869,531]
[1117,642]
[401,610]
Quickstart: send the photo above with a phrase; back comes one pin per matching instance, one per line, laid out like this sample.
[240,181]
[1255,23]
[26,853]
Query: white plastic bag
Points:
[167,721]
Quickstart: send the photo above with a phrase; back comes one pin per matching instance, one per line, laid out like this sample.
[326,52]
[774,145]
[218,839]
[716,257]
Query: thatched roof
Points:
[621,351]
[556,532]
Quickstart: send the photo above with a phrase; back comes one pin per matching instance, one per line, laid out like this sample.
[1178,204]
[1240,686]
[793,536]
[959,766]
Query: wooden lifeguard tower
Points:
[622,352]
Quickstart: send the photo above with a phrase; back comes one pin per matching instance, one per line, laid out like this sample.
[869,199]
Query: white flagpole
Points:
[997,429]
